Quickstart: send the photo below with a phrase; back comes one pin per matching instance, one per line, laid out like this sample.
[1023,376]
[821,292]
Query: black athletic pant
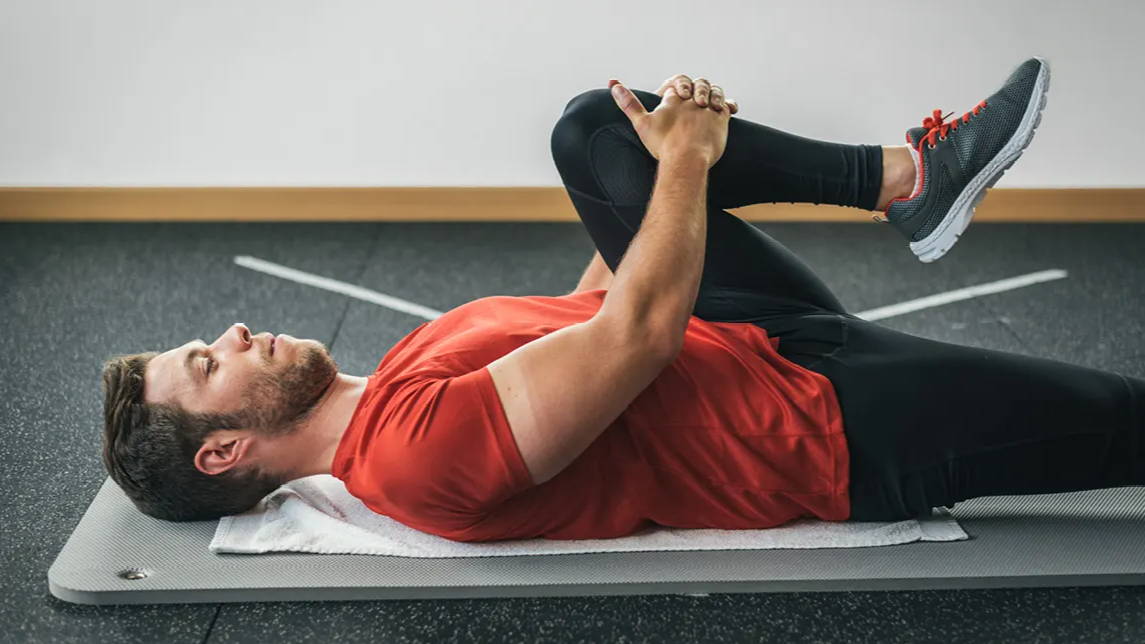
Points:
[928,423]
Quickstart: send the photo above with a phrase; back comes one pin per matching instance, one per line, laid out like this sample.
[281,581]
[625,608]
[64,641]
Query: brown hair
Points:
[149,450]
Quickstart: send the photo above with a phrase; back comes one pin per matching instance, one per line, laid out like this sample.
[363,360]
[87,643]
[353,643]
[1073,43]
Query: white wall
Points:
[341,93]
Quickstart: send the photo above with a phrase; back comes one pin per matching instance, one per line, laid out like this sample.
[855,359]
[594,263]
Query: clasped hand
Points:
[690,121]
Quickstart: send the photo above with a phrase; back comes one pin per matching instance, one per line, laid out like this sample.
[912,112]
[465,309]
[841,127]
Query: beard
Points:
[278,402]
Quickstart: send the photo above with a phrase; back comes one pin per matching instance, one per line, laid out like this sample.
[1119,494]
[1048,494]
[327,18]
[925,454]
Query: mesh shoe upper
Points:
[972,144]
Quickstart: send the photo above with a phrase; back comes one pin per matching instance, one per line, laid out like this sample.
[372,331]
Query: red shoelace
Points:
[937,128]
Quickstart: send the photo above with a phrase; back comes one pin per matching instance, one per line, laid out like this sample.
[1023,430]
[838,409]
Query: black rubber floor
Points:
[73,294]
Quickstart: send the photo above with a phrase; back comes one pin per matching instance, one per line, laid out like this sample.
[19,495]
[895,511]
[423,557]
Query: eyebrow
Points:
[195,374]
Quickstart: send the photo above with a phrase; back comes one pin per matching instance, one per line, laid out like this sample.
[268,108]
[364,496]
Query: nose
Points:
[243,333]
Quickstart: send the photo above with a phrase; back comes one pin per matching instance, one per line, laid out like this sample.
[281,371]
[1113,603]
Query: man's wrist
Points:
[686,158]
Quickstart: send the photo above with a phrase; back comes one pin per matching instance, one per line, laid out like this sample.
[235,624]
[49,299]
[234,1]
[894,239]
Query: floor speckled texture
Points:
[72,295]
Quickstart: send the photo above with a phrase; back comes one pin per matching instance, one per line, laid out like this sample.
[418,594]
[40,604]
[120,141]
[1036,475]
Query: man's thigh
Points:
[930,423]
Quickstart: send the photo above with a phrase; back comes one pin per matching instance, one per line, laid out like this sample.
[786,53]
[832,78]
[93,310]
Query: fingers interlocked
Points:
[700,90]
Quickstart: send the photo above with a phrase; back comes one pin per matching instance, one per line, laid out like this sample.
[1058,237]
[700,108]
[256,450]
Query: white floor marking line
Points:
[411,308]
[328,284]
[962,294]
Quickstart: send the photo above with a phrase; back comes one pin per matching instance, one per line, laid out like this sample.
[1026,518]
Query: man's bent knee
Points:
[596,108]
[585,115]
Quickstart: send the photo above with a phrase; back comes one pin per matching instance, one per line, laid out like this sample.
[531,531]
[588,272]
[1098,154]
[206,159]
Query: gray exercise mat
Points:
[117,555]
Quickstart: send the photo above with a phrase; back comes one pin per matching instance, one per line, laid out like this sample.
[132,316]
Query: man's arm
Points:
[561,391]
[596,276]
[658,279]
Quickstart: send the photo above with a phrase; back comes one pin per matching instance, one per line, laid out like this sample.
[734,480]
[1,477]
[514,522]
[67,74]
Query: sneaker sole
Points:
[943,238]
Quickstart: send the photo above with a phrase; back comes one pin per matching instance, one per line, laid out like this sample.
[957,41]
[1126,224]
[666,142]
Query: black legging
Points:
[928,423]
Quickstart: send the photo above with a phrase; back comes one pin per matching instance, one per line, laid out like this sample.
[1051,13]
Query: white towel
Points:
[316,514]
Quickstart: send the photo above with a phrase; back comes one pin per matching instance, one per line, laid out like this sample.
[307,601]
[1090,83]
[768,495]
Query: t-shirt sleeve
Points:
[449,452]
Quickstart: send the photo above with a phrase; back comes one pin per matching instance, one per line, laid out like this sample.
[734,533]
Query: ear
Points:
[223,450]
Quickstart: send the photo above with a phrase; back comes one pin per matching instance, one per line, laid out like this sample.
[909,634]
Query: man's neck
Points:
[310,449]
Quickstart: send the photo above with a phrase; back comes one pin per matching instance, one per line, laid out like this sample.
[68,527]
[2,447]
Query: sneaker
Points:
[956,161]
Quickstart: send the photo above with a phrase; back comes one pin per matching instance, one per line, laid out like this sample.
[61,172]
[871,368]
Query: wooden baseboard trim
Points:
[487,204]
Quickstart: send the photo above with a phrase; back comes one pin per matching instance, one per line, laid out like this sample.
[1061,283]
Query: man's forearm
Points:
[658,278]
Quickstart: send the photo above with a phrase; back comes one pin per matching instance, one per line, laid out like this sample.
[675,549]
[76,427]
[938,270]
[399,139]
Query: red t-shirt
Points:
[730,435]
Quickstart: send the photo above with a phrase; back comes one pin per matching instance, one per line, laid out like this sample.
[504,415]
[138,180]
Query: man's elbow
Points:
[666,345]
[655,339]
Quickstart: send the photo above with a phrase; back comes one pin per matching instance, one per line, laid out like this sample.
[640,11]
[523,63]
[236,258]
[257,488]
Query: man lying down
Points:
[701,375]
